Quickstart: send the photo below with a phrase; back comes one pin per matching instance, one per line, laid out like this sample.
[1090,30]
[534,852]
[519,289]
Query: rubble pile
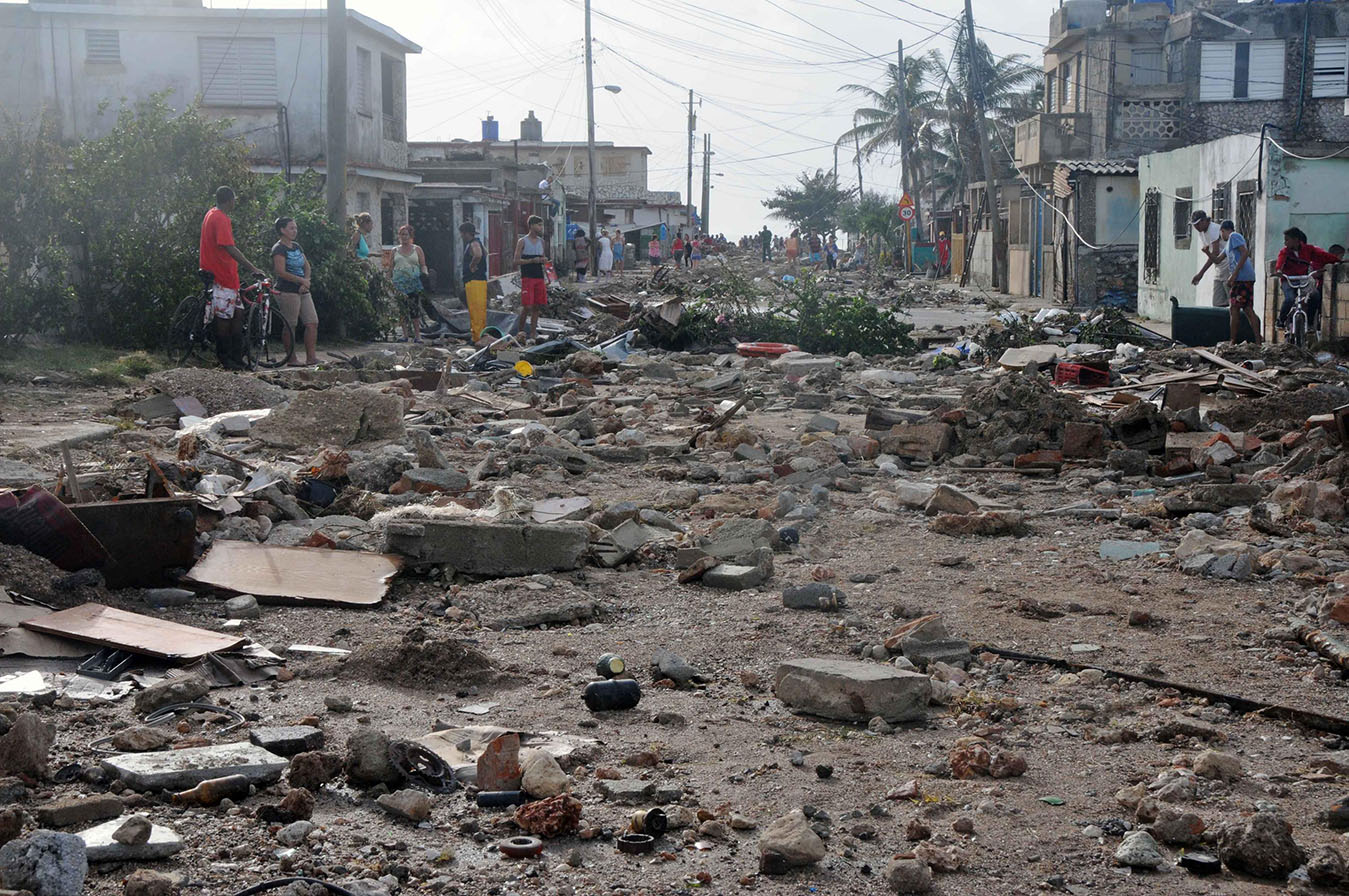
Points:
[714,620]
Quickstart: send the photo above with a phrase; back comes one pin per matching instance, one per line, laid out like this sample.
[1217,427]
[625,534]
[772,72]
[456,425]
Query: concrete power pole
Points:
[707,181]
[336,149]
[904,178]
[590,140]
[857,148]
[693,123]
[990,183]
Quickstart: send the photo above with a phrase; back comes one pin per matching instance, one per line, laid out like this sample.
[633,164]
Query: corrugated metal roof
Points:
[1101,166]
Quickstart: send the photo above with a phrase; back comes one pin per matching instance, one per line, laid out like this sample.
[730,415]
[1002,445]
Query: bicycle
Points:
[1296,325]
[266,332]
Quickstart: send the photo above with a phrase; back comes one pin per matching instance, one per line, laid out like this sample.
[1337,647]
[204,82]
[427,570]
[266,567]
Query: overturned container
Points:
[621,693]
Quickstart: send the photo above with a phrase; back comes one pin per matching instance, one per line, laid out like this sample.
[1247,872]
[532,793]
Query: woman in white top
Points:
[606,254]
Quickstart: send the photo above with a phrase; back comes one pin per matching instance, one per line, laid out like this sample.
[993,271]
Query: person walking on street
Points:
[1215,256]
[409,264]
[218,255]
[831,253]
[580,247]
[696,252]
[766,243]
[793,248]
[1241,283]
[473,270]
[816,246]
[677,250]
[291,271]
[653,251]
[530,255]
[606,263]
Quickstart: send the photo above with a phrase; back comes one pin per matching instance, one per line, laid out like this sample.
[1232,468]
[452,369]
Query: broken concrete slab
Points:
[100,846]
[498,549]
[803,363]
[14,474]
[184,769]
[430,481]
[46,437]
[287,740]
[852,691]
[918,441]
[1029,356]
[1116,549]
[626,792]
[67,811]
[304,575]
[822,423]
[619,544]
[341,417]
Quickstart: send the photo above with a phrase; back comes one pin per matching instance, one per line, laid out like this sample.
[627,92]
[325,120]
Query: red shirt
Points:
[216,234]
[1307,260]
[678,245]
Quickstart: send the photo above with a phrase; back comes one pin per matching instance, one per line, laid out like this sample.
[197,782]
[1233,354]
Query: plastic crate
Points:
[1080,375]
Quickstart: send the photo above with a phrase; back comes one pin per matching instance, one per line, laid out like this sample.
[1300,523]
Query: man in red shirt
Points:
[218,254]
[1299,257]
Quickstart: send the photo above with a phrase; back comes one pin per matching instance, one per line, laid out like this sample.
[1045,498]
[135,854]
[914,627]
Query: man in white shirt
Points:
[1215,256]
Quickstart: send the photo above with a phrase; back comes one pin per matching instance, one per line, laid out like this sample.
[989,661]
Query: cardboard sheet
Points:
[110,627]
[306,575]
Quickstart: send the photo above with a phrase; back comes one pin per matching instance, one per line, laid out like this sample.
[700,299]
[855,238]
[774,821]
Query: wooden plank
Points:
[110,627]
[303,575]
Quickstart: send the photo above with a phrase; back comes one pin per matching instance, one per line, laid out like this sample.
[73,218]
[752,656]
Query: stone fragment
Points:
[499,764]
[1177,828]
[412,805]
[626,792]
[974,756]
[852,691]
[791,838]
[543,776]
[988,524]
[430,481]
[140,739]
[183,689]
[287,740]
[184,769]
[314,769]
[918,441]
[949,499]
[490,549]
[1326,868]
[367,760]
[45,863]
[133,831]
[342,416]
[144,882]
[1261,846]
[1216,764]
[908,876]
[553,817]
[294,833]
[1083,440]
[1139,850]
[25,747]
[245,606]
[735,577]
[67,811]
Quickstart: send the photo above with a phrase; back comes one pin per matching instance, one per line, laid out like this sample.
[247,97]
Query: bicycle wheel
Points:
[1300,329]
[267,335]
[187,329]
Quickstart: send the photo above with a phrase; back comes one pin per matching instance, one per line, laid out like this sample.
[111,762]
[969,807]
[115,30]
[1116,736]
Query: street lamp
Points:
[612,88]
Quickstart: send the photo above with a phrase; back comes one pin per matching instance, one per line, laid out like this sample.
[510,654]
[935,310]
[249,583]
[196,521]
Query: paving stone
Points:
[852,691]
[184,769]
[60,813]
[626,792]
[491,549]
[287,740]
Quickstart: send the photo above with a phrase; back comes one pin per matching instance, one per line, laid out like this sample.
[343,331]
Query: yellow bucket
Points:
[524,368]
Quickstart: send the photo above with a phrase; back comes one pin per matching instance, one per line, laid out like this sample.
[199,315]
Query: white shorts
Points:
[223,301]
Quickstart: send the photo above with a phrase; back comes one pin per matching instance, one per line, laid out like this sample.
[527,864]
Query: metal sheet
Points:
[110,627]
[306,575]
[145,538]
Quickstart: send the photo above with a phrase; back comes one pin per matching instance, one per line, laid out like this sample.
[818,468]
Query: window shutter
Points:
[238,72]
[1147,67]
[102,46]
[1217,67]
[1266,72]
[1329,77]
[363,73]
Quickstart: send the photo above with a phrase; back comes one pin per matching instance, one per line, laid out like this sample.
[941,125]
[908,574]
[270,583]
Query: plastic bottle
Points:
[609,665]
[620,693]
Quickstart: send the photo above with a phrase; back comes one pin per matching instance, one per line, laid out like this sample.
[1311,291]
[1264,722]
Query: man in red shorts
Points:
[530,255]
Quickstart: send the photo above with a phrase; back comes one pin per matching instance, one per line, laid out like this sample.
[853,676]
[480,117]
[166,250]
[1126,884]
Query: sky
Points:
[765,74]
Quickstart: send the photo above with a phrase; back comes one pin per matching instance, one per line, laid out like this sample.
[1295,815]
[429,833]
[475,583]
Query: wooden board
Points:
[305,575]
[110,627]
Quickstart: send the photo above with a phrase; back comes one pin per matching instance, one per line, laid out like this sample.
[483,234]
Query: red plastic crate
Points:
[1080,375]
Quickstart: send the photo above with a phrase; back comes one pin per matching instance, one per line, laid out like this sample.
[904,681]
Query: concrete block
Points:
[822,423]
[66,811]
[491,549]
[920,441]
[100,847]
[1081,440]
[186,768]
[287,740]
[627,792]
[852,691]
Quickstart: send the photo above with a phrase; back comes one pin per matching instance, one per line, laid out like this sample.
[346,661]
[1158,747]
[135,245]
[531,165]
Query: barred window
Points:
[1152,237]
[1180,223]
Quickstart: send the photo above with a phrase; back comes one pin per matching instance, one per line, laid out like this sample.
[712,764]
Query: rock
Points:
[430,481]
[988,524]
[735,577]
[294,833]
[543,777]
[943,859]
[949,499]
[45,863]
[1326,868]
[11,824]
[311,771]
[552,817]
[67,811]
[918,441]
[499,765]
[367,760]
[144,882]
[625,792]
[792,838]
[341,417]
[1177,828]
[908,876]
[184,769]
[412,805]
[183,689]
[1261,846]
[1215,764]
[134,831]
[376,472]
[429,454]
[245,606]
[814,596]
[914,495]
[972,756]
[852,691]
[1129,461]
[25,747]
[338,703]
[287,740]
[1139,850]
[478,548]
[140,739]
[667,664]
[739,540]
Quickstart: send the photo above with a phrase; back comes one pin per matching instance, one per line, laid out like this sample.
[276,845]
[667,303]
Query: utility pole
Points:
[835,163]
[336,149]
[693,123]
[904,179]
[990,184]
[858,150]
[707,181]
[590,140]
